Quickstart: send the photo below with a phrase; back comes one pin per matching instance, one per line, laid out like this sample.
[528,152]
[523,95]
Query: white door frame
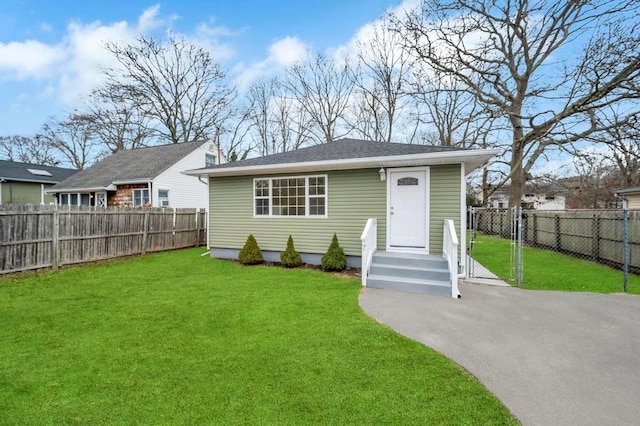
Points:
[427,182]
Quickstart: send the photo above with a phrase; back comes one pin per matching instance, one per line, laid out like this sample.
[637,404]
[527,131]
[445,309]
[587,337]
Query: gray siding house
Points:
[24,183]
[407,190]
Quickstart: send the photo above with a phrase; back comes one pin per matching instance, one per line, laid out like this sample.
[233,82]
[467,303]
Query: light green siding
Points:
[353,197]
[444,202]
[23,193]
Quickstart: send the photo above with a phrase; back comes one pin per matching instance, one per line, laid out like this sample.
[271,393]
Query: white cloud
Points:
[87,55]
[149,19]
[287,51]
[283,53]
[70,69]
[209,37]
[28,59]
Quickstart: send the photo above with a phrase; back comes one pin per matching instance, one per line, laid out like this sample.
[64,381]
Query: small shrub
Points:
[290,257]
[334,259]
[250,253]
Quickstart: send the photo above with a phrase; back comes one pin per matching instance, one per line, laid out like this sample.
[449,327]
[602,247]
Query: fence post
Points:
[491,215]
[197,217]
[519,247]
[558,236]
[595,238]
[55,240]
[535,228]
[145,232]
[173,222]
[625,242]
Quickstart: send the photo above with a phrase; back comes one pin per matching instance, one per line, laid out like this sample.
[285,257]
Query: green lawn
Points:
[549,270]
[176,338]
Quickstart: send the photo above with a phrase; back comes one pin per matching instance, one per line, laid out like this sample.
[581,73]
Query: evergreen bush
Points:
[250,253]
[334,259]
[290,257]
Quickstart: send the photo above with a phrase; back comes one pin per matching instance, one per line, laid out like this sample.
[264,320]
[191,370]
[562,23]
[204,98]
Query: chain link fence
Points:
[608,237]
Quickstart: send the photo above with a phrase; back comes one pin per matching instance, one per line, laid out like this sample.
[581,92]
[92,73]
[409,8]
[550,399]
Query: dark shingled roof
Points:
[12,170]
[342,149]
[140,164]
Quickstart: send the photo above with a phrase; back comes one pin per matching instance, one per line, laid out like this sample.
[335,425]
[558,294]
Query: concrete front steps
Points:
[413,273]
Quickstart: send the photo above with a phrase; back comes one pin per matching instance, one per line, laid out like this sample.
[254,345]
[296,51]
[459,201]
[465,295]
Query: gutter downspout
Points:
[206,210]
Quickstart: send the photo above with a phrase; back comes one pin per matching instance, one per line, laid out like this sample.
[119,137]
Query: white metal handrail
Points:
[450,253]
[369,240]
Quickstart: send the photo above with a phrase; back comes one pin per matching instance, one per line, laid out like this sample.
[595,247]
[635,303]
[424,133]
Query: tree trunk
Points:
[518,178]
[485,187]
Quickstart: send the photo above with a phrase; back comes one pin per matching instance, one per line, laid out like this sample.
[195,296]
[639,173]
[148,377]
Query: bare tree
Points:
[32,150]
[455,115]
[517,58]
[261,95]
[279,123]
[380,78]
[623,147]
[591,186]
[322,88]
[119,123]
[292,124]
[176,85]
[74,138]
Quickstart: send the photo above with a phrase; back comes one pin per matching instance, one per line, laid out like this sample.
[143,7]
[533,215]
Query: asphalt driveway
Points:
[552,358]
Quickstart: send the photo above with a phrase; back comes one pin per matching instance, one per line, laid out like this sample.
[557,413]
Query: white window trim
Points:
[215,159]
[69,194]
[133,196]
[306,197]
[162,198]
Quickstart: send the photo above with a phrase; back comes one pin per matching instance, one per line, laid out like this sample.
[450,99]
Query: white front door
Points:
[408,209]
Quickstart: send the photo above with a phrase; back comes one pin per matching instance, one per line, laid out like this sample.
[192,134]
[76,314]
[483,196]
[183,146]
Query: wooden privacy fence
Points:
[595,235]
[35,237]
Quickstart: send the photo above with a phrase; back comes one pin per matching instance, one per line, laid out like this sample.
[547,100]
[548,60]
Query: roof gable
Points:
[134,165]
[25,172]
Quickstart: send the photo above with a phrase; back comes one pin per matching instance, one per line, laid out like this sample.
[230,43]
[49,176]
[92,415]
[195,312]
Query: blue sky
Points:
[51,51]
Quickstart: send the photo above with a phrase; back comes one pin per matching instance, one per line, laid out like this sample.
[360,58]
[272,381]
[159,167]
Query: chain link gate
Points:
[506,223]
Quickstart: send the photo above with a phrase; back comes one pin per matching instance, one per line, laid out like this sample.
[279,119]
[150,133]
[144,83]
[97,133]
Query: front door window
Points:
[101,200]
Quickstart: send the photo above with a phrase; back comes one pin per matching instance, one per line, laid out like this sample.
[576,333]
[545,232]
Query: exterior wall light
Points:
[383,174]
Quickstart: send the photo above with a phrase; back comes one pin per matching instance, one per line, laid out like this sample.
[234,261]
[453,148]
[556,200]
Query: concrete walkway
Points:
[552,358]
[478,274]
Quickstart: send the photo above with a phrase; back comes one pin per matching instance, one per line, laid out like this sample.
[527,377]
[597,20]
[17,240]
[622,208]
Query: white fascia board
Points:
[627,191]
[132,181]
[82,190]
[472,159]
[9,179]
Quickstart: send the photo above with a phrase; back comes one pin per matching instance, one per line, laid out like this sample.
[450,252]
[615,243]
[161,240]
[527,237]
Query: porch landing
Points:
[409,272]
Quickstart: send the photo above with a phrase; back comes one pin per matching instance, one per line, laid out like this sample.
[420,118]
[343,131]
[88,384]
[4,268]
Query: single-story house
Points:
[631,195]
[150,176]
[341,187]
[24,183]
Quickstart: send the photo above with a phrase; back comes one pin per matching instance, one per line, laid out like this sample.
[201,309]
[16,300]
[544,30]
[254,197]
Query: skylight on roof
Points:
[39,172]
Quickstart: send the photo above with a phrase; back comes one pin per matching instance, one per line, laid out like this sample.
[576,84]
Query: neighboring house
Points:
[547,196]
[631,195]
[310,193]
[23,183]
[149,176]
